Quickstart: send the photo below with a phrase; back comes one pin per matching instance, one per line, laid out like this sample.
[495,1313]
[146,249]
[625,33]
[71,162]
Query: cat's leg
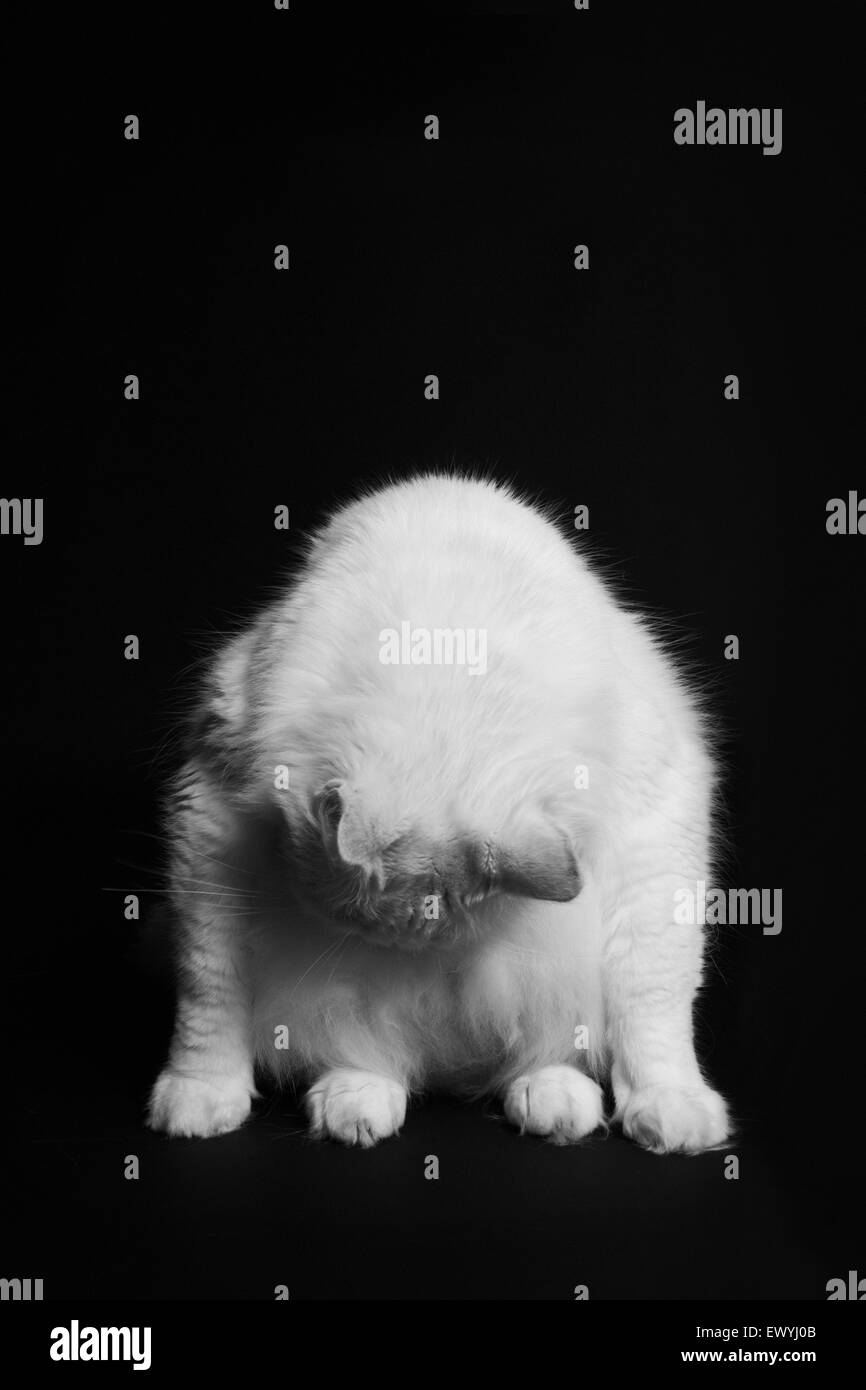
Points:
[207,1084]
[364,1064]
[356,1106]
[652,971]
[359,1046]
[558,1102]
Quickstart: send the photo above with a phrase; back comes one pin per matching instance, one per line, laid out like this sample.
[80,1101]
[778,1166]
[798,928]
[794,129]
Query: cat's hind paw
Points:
[356,1107]
[671,1119]
[559,1103]
[190,1107]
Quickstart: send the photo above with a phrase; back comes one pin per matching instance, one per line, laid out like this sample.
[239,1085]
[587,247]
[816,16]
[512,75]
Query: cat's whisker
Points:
[222,887]
[200,853]
[338,959]
[327,952]
[571,954]
[180,892]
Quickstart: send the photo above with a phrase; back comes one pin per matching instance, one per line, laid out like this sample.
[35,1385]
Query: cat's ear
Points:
[350,834]
[535,859]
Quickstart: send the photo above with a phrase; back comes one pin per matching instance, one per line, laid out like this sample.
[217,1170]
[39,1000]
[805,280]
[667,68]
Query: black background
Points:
[260,387]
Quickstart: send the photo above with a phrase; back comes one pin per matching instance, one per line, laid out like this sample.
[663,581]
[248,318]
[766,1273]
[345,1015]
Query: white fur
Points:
[297,909]
[356,1107]
[559,1103]
[192,1106]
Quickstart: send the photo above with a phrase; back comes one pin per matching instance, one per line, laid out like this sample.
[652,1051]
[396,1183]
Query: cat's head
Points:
[411,885]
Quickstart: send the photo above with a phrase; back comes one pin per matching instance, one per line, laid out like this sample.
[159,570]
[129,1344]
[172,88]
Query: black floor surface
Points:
[509,1217]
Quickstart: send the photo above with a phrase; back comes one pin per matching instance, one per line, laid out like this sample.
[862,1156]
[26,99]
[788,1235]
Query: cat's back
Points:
[445,623]
[439,551]
[435,531]
[413,592]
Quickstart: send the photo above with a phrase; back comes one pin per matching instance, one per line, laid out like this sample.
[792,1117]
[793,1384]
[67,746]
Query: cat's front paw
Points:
[193,1108]
[672,1119]
[559,1103]
[356,1107]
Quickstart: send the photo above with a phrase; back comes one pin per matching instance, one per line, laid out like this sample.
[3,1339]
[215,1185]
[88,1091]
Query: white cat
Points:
[396,867]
